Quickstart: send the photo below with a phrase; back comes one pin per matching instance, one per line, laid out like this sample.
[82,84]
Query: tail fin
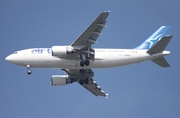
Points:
[154,38]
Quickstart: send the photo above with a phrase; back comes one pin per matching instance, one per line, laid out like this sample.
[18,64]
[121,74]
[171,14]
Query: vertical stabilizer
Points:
[154,38]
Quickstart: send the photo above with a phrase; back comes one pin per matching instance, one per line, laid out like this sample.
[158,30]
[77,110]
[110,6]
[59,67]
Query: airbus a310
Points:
[79,58]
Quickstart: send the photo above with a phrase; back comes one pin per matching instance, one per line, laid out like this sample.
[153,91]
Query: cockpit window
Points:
[14,52]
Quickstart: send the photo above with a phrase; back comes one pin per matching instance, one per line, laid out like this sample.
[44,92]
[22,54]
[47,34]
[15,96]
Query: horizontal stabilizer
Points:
[161,62]
[160,45]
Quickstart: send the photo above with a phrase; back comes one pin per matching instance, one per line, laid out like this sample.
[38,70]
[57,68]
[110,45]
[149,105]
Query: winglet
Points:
[109,11]
[107,95]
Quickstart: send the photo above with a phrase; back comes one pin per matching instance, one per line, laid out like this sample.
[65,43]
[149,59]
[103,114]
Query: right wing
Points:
[94,88]
[78,75]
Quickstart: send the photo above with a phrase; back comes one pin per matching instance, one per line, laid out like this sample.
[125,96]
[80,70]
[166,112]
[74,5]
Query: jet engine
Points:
[60,80]
[62,51]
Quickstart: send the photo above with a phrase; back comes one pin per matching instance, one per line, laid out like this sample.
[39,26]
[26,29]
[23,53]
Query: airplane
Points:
[78,59]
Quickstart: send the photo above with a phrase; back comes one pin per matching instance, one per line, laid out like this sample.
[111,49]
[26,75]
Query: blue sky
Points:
[138,91]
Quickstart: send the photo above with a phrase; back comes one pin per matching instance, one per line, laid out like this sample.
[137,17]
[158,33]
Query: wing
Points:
[82,45]
[79,75]
[94,88]
[90,35]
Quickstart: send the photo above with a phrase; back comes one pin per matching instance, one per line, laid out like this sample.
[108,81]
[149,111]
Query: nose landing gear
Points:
[29,70]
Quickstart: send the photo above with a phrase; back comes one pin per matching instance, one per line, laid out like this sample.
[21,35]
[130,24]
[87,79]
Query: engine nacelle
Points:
[60,80]
[62,51]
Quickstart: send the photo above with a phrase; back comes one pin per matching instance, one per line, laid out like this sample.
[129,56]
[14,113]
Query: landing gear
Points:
[29,70]
[81,63]
[84,59]
[81,81]
[84,62]
[84,81]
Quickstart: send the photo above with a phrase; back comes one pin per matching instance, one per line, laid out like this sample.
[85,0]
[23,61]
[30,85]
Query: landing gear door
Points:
[91,56]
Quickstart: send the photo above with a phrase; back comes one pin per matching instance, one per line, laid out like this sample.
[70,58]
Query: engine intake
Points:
[62,51]
[60,80]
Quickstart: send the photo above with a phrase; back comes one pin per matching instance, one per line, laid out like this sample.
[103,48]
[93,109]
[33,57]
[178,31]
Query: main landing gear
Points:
[84,60]
[29,70]
[84,81]
[85,78]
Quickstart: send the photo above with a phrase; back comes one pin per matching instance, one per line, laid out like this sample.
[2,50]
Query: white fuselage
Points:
[104,58]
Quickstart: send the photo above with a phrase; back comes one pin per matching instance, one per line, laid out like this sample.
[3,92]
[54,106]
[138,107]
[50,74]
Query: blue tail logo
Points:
[154,38]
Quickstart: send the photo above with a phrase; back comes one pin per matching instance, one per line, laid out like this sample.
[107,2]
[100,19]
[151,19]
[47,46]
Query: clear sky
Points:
[142,90]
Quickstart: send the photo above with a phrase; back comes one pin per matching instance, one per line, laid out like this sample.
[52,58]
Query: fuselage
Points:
[104,58]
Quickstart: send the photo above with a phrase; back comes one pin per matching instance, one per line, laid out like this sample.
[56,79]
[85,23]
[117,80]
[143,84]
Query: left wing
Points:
[84,78]
[90,35]
[81,49]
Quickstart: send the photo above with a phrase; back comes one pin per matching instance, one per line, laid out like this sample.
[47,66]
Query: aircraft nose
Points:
[9,58]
